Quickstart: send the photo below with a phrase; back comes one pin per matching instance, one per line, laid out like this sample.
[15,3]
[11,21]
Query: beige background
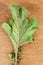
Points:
[32,54]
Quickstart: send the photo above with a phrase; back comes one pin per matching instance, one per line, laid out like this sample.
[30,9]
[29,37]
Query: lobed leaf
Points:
[20,29]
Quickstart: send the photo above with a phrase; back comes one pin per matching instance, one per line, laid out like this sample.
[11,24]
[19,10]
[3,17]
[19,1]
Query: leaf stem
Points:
[16,54]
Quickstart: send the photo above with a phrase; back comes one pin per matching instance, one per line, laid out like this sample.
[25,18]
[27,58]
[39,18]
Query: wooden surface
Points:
[32,54]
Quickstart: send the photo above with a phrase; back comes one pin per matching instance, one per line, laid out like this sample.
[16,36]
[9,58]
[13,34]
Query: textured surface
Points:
[32,54]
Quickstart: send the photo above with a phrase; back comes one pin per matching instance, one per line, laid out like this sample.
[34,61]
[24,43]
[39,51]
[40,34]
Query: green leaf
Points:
[11,56]
[20,28]
[7,28]
[25,13]
[19,49]
[15,11]
[30,30]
